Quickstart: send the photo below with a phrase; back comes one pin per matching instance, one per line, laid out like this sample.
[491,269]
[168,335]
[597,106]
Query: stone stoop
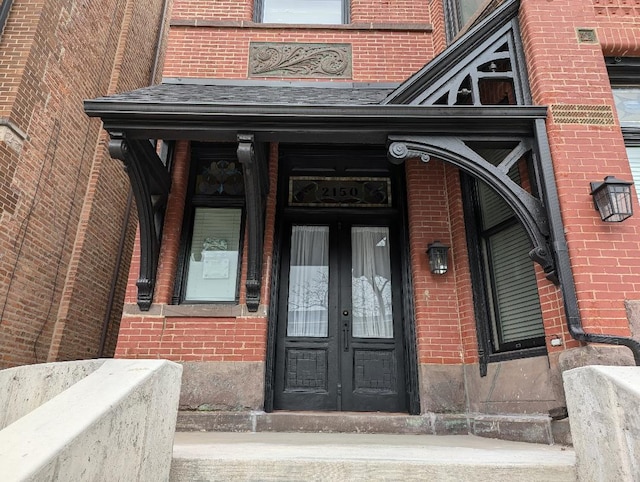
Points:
[521,428]
[271,456]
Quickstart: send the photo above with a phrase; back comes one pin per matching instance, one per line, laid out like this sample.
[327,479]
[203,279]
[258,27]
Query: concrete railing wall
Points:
[27,387]
[604,413]
[110,420]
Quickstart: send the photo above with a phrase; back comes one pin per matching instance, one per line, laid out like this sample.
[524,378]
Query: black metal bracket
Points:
[453,150]
[254,166]
[150,183]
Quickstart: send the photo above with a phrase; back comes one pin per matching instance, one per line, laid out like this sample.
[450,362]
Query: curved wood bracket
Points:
[254,166]
[453,150]
[150,183]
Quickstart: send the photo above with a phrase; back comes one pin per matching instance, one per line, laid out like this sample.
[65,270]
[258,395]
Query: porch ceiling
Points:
[294,113]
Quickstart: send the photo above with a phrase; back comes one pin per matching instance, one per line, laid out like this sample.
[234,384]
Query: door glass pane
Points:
[308,300]
[372,315]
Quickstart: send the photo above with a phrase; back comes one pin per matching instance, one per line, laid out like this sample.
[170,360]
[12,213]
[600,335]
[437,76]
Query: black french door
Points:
[339,330]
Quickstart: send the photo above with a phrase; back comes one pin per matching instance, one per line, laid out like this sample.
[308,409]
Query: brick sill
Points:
[401,27]
[218,310]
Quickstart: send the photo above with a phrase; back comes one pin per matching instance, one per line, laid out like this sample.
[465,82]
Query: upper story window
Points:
[323,12]
[458,13]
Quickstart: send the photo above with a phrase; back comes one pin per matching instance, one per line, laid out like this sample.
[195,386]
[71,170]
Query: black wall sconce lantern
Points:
[437,253]
[612,199]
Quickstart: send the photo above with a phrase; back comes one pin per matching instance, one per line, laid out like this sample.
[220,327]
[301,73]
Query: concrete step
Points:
[268,456]
[520,428]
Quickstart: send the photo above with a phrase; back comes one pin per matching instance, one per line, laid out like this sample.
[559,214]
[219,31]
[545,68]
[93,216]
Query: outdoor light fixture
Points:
[437,253]
[612,199]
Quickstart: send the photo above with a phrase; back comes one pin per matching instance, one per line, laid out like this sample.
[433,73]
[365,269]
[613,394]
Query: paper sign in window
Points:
[215,265]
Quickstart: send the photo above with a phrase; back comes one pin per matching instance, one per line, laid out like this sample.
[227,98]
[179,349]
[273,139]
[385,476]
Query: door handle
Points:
[345,336]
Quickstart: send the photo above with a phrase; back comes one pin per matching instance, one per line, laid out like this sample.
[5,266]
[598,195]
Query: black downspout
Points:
[127,216]
[4,14]
[563,266]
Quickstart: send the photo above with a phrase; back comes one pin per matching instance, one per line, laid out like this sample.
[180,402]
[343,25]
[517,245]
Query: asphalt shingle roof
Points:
[175,93]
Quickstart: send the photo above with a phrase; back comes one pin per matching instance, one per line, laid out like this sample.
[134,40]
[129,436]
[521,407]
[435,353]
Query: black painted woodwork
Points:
[465,58]
[454,150]
[340,372]
[150,183]
[355,161]
[254,165]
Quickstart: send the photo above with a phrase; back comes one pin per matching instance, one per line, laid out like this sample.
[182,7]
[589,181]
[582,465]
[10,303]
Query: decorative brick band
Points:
[297,60]
[582,114]
[617,8]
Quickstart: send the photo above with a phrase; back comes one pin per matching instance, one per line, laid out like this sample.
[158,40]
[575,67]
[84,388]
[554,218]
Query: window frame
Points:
[453,17]
[624,72]
[193,201]
[259,11]
[483,284]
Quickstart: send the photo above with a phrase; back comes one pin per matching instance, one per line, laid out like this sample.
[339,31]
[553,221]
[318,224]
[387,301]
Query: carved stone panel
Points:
[274,59]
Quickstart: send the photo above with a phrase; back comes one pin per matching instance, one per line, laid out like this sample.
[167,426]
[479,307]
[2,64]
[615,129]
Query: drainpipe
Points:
[127,216]
[563,266]
[4,14]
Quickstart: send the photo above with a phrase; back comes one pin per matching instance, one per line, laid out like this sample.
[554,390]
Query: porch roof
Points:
[294,112]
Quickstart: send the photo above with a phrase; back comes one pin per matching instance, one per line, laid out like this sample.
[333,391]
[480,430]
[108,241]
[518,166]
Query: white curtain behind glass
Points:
[308,300]
[372,315]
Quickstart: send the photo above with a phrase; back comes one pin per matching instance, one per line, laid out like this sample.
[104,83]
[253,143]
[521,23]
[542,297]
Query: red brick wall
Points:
[197,338]
[169,250]
[212,40]
[219,10]
[66,198]
[193,339]
[618,23]
[604,257]
[436,296]
[209,52]
[399,11]
[439,32]
[361,11]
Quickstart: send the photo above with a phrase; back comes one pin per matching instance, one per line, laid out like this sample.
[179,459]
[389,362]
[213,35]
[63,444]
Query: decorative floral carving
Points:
[300,60]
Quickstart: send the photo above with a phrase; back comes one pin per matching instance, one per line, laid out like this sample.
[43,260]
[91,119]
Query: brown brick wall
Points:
[61,241]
